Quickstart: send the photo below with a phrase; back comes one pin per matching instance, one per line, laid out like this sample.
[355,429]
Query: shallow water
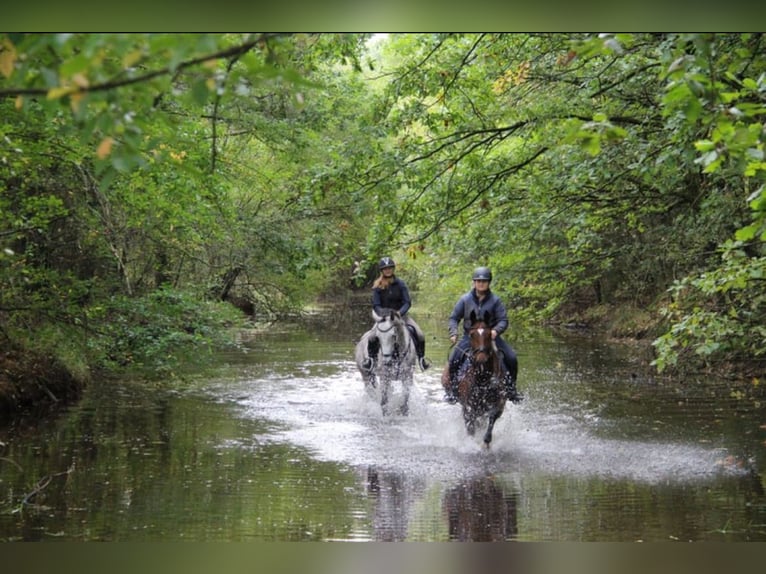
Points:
[284,444]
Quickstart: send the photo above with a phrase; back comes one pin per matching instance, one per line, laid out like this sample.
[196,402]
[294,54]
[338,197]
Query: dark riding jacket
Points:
[396,297]
[498,317]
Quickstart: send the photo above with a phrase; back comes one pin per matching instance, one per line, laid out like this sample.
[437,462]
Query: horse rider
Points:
[480,299]
[390,292]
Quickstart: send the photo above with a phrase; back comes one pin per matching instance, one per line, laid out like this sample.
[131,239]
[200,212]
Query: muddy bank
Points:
[29,381]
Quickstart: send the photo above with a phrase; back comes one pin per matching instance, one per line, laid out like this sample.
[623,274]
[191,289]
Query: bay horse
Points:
[394,361]
[480,379]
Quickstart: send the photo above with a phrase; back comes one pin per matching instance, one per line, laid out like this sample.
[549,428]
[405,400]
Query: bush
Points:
[160,331]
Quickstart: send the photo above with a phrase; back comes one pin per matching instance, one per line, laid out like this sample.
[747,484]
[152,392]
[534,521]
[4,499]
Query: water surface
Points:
[283,444]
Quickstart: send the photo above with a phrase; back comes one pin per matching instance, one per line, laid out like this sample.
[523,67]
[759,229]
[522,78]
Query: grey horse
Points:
[394,360]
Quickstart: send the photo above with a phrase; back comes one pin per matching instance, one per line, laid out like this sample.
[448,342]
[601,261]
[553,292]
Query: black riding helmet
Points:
[482,273]
[386,262]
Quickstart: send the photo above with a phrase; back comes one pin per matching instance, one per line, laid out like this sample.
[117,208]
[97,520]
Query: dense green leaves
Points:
[591,172]
[588,171]
[138,164]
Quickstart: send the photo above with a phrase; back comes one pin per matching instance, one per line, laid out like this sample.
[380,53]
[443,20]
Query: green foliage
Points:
[263,169]
[718,315]
[138,165]
[584,170]
[162,332]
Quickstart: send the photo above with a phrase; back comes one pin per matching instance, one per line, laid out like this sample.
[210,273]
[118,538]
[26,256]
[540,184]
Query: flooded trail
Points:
[284,444]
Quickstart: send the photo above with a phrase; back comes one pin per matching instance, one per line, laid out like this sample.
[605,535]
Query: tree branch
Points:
[234,51]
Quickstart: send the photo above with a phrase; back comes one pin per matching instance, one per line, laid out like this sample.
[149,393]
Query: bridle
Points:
[381,329]
[488,350]
[403,352]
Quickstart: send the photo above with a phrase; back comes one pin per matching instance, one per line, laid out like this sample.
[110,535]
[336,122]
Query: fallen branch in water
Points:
[41,485]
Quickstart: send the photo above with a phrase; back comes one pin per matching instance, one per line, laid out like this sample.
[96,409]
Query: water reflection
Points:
[480,510]
[391,496]
[474,509]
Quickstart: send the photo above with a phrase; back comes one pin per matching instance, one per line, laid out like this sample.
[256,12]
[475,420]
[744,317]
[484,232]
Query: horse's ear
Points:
[486,317]
[473,315]
[376,317]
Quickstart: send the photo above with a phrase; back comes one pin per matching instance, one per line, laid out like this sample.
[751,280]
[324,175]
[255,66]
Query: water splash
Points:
[334,417]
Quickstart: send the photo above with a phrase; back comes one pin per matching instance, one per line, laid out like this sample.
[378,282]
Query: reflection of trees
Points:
[478,510]
[392,496]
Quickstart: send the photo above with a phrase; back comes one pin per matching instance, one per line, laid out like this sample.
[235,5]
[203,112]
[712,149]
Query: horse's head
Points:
[388,327]
[480,335]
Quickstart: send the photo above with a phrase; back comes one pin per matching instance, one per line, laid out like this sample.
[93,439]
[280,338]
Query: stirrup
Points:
[368,363]
[424,363]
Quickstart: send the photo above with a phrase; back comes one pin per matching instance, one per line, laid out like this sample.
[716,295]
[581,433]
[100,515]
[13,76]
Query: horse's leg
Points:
[406,385]
[470,421]
[384,387]
[365,364]
[488,433]
[371,382]
[494,414]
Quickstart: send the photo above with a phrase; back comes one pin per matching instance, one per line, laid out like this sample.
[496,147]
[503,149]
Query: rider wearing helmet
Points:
[481,300]
[390,292]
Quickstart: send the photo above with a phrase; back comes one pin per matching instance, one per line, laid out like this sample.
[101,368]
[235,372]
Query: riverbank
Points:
[640,326]
[30,380]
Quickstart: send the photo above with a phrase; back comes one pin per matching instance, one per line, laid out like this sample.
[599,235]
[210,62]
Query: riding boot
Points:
[420,349]
[372,352]
[509,387]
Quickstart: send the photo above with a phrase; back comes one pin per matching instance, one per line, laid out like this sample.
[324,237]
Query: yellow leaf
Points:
[132,58]
[7,57]
[59,92]
[105,147]
[756,381]
[80,80]
[75,100]
[19,102]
